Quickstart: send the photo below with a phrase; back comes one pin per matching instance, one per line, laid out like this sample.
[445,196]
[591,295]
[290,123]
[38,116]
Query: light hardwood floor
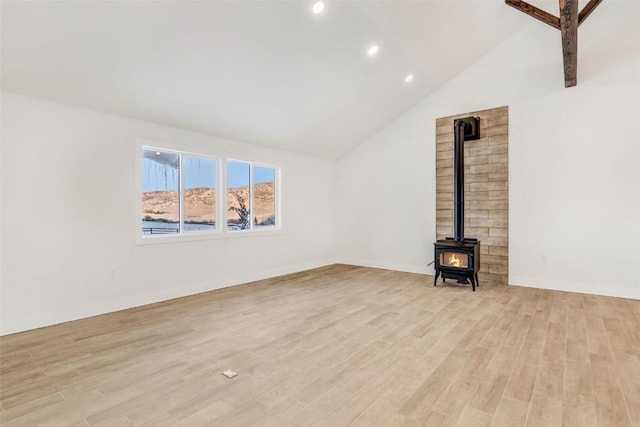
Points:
[336,346]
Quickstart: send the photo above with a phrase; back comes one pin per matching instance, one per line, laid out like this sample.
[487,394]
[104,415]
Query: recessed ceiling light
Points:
[318,7]
[157,153]
[409,78]
[373,50]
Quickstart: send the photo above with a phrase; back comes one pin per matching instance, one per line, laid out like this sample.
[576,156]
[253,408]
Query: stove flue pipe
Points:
[459,127]
[466,129]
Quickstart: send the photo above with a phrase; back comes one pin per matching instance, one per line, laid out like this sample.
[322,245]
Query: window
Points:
[264,200]
[199,193]
[178,193]
[251,196]
[160,192]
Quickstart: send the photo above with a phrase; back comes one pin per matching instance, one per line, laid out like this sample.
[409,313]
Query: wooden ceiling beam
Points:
[587,9]
[535,12]
[569,30]
[567,23]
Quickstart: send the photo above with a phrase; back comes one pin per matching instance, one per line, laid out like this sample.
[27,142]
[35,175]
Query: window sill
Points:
[216,235]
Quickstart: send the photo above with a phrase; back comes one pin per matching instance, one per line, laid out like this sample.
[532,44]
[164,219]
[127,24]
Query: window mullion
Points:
[224,190]
[181,189]
[252,213]
[219,186]
[276,199]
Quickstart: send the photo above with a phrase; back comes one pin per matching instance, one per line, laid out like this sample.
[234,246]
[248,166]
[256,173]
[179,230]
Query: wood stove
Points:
[459,260]
[459,257]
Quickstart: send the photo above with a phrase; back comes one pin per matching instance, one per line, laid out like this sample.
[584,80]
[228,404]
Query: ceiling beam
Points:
[587,9]
[569,30]
[535,12]
[568,24]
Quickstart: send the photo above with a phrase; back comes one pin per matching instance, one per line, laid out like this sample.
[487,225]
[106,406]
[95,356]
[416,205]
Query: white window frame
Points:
[277,189]
[221,230]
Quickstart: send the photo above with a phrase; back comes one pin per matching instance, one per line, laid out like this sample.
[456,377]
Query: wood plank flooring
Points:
[335,346]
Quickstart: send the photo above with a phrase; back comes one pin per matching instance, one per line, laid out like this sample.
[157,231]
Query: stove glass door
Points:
[454,259]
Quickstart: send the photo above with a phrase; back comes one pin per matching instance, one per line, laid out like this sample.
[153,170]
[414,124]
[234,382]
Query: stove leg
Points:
[477,281]
[435,278]
[473,282]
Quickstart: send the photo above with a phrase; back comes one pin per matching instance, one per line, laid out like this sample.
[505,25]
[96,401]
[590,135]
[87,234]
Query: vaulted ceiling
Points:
[265,72]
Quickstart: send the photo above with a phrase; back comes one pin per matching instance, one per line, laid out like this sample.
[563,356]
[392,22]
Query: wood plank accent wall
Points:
[486,186]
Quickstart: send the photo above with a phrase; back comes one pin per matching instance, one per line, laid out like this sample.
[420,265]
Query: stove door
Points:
[451,258]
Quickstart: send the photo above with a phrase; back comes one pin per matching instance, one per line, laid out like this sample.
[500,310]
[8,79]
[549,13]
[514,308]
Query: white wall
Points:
[574,208]
[67,206]
[69,220]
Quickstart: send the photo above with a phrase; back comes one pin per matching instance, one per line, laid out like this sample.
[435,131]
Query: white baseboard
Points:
[407,268]
[40,320]
[610,291]
[10,326]
[607,291]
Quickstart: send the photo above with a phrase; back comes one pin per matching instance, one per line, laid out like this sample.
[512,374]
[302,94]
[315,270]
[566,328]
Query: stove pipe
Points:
[463,129]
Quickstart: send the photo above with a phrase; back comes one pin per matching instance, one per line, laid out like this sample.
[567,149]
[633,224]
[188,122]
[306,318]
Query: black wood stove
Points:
[459,257]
